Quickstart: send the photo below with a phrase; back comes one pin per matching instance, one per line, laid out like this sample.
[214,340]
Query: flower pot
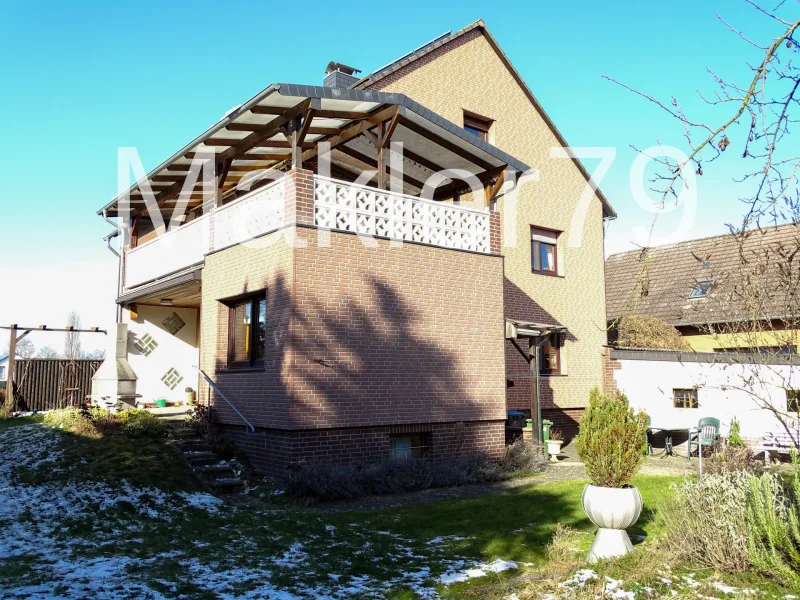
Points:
[554,449]
[613,510]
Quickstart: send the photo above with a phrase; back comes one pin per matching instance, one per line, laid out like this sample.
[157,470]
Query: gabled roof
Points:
[725,261]
[376,76]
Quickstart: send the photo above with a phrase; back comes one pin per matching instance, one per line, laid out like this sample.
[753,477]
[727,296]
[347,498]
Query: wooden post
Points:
[381,161]
[12,353]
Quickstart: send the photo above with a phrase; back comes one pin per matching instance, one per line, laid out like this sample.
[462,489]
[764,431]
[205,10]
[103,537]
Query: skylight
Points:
[701,289]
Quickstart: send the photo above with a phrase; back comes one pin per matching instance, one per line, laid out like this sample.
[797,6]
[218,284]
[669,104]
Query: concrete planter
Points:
[554,449]
[613,510]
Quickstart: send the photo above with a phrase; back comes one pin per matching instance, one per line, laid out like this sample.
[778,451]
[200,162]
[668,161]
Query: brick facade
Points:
[360,338]
[274,451]
[468,74]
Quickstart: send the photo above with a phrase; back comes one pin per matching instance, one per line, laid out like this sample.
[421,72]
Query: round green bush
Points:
[612,440]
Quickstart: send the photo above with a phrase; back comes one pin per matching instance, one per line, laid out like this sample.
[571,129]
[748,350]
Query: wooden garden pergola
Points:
[15,337]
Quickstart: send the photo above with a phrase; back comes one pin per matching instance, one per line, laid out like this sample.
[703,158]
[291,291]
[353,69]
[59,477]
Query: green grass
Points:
[382,545]
[141,461]
[17,421]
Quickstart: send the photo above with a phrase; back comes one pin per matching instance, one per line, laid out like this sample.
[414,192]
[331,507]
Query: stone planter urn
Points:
[613,510]
[554,449]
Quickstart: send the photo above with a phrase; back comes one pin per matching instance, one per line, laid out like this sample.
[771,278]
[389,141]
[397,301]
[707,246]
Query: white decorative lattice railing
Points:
[371,211]
[250,216]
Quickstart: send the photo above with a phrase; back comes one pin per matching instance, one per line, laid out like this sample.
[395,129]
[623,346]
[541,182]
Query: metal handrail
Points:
[236,410]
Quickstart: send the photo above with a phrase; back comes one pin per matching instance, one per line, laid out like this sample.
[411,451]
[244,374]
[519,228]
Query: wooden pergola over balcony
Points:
[282,127]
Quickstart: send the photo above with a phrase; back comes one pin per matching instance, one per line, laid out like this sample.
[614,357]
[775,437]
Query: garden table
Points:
[669,431]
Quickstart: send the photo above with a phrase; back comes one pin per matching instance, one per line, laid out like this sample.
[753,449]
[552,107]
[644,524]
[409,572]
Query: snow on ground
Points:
[90,540]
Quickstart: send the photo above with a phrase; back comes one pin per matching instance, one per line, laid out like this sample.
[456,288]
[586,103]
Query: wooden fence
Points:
[51,383]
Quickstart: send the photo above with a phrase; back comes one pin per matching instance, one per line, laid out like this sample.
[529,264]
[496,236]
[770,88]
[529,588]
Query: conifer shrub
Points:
[612,439]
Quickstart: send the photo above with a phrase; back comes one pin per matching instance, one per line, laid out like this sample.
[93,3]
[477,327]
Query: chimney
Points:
[338,75]
[114,383]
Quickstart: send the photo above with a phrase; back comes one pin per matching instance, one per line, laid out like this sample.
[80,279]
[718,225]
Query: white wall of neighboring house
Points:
[156,354]
[4,367]
[725,390]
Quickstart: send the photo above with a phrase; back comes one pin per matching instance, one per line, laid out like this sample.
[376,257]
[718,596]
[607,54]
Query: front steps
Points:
[215,473]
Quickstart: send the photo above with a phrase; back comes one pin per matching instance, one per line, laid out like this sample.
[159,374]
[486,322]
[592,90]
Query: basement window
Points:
[477,126]
[685,398]
[247,332]
[409,445]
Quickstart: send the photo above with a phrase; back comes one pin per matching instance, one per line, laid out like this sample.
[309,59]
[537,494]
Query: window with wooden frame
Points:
[550,355]
[685,398]
[247,331]
[793,401]
[409,445]
[544,251]
[477,126]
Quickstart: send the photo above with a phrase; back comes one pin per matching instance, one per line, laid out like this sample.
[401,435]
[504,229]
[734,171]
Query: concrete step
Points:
[194,445]
[211,472]
[199,459]
[229,485]
[183,433]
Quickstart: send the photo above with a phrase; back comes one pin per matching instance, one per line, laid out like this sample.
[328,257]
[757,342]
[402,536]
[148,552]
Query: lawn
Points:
[83,518]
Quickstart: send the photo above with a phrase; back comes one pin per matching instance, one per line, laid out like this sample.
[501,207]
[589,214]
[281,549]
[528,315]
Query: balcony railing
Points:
[170,252]
[252,215]
[371,211]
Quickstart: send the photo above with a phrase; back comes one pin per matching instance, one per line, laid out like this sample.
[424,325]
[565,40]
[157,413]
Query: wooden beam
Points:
[323,130]
[12,355]
[222,141]
[387,136]
[269,110]
[368,160]
[246,168]
[444,143]
[342,114]
[244,126]
[351,131]
[247,143]
[494,188]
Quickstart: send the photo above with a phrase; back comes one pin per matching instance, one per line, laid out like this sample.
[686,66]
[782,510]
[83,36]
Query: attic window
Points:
[701,289]
[477,126]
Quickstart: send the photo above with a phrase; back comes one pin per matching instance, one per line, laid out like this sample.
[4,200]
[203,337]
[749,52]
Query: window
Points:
[793,401]
[409,445]
[701,289]
[247,332]
[477,126]
[544,251]
[3,372]
[685,398]
[550,355]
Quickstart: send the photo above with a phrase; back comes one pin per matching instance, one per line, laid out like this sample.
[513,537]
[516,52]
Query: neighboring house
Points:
[709,289]
[339,350]
[4,369]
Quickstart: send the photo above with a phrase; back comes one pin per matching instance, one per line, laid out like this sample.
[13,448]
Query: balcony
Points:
[374,212]
[337,205]
[254,214]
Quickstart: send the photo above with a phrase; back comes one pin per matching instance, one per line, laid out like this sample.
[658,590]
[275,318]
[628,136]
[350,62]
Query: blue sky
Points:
[80,79]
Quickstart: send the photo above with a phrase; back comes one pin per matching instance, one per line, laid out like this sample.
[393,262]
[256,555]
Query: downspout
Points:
[108,239]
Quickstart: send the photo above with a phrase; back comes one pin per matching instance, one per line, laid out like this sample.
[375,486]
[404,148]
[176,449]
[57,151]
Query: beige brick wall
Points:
[469,75]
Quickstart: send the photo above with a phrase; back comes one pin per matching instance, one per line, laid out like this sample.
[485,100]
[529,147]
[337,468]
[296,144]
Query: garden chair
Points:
[707,435]
[649,437]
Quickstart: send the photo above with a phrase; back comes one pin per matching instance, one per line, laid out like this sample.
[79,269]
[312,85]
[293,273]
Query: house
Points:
[710,288]
[376,299]
[4,369]
[732,298]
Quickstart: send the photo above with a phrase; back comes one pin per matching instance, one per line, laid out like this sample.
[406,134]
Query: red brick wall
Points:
[273,451]
[359,339]
[609,366]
